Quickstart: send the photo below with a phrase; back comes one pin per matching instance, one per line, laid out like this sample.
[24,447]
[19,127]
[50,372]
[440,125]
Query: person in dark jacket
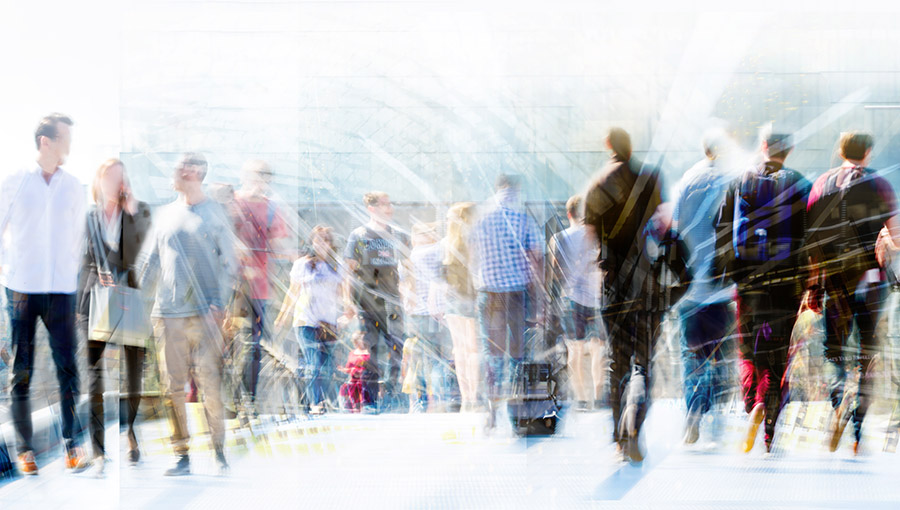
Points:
[116,228]
[760,233]
[618,205]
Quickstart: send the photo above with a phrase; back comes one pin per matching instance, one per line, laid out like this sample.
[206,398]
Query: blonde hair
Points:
[460,217]
[96,192]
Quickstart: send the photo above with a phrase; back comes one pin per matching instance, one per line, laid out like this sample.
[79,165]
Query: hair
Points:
[854,145]
[460,218]
[197,159]
[714,142]
[619,142]
[779,145]
[320,231]
[49,127]
[508,181]
[257,167]
[371,198]
[574,207]
[96,192]
[358,338]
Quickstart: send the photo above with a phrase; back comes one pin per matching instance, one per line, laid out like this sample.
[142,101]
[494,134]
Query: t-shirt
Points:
[258,223]
[576,256]
[378,254]
[319,299]
[426,272]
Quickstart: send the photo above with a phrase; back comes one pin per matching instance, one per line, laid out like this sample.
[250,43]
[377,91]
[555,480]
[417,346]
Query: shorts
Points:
[581,322]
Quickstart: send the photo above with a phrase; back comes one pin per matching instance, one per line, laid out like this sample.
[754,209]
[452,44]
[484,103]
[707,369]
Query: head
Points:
[321,239]
[508,181]
[256,176]
[424,234]
[53,137]
[856,146]
[574,209]
[715,142]
[378,203]
[359,340]
[110,183]
[777,146]
[460,218]
[618,141]
[189,172]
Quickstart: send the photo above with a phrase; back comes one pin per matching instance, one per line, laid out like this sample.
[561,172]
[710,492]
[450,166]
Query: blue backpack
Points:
[765,226]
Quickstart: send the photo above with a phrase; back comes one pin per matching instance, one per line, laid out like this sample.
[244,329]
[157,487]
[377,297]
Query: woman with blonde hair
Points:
[117,225]
[460,314]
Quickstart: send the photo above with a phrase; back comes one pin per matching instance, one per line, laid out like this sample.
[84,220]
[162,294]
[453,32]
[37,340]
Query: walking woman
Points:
[117,225]
[460,315]
[315,302]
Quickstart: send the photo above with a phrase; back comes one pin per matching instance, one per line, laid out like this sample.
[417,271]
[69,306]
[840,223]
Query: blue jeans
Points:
[705,331]
[384,321]
[57,312]
[317,363]
[434,343]
[501,324]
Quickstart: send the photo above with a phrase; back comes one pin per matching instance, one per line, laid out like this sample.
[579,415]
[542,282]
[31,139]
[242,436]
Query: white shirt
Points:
[320,293]
[44,225]
[577,258]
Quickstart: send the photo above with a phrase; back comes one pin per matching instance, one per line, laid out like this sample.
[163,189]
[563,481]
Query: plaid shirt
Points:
[501,241]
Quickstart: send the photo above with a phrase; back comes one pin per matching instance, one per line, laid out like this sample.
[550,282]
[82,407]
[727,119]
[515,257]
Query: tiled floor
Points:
[445,461]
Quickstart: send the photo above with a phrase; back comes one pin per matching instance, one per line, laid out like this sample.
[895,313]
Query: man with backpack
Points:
[848,207]
[759,245]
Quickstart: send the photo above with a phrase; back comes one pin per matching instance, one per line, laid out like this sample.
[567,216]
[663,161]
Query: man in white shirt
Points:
[42,208]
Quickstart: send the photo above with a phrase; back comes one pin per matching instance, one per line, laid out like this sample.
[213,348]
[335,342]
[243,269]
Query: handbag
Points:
[118,313]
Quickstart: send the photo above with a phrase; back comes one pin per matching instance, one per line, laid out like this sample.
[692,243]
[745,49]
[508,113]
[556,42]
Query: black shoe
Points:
[220,460]
[182,466]
[134,456]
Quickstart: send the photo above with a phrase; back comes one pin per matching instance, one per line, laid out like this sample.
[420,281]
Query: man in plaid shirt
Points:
[508,251]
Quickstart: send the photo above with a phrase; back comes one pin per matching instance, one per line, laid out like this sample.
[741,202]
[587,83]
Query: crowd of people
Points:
[442,312]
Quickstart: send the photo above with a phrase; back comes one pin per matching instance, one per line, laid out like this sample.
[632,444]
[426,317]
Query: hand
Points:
[813,299]
[280,321]
[106,279]
[884,248]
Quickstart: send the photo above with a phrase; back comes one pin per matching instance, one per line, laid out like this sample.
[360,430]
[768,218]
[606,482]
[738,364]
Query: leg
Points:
[621,348]
[134,364]
[394,334]
[59,318]
[95,366]
[258,319]
[22,318]
[306,336]
[205,334]
[370,323]
[174,366]
[867,310]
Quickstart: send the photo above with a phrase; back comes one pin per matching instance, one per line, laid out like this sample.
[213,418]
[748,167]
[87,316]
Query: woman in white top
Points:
[314,301]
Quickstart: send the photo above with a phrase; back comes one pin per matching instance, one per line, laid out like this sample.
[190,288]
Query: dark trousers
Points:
[766,317]
[258,329]
[501,323]
[134,365]
[862,303]
[631,336]
[57,312]
[383,321]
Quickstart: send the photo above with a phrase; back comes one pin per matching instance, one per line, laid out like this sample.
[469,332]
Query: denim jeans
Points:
[57,311]
[317,364]
[434,342]
[705,333]
[501,325]
[384,322]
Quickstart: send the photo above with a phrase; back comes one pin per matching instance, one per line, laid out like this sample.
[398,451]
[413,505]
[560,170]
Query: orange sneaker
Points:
[757,415]
[27,464]
[76,460]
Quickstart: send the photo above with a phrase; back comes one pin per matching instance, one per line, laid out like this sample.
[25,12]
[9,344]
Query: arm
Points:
[287,306]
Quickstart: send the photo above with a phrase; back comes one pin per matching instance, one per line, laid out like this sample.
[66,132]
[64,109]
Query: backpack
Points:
[763,224]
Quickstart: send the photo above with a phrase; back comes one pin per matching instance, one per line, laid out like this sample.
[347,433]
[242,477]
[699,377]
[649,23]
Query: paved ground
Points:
[445,461]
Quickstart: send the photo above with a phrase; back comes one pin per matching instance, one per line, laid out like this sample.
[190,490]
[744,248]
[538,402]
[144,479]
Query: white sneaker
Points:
[97,467]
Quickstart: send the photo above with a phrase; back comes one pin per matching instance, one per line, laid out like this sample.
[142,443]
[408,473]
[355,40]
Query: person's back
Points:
[576,253]
[618,205]
[764,221]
